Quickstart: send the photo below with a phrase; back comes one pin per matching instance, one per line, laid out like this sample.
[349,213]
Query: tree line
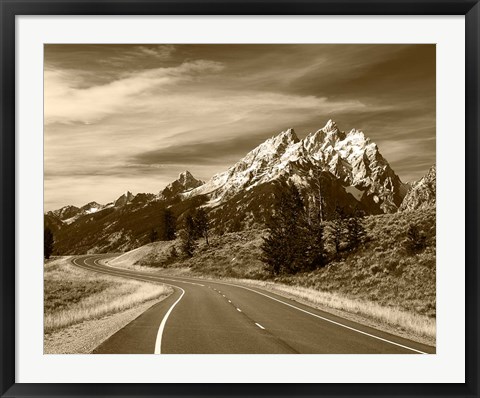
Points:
[196,225]
[298,235]
[169,227]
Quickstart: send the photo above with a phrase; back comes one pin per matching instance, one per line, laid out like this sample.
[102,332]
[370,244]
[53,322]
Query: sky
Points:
[132,117]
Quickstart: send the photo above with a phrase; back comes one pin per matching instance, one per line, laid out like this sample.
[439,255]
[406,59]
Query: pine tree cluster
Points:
[197,225]
[298,235]
[416,240]
[48,242]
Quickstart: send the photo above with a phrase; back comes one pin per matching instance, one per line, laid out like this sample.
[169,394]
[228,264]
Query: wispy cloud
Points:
[64,102]
[133,116]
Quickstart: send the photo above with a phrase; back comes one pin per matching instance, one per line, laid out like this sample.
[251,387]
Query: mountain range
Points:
[345,168]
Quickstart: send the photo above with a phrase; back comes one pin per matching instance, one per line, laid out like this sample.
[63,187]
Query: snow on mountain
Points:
[185,182]
[65,212]
[350,157]
[357,162]
[259,165]
[69,214]
[423,192]
[91,207]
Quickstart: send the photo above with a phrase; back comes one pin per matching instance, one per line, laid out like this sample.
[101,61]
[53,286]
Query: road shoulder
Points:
[84,337]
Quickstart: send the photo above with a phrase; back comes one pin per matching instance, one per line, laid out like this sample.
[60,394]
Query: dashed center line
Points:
[239,310]
[260,326]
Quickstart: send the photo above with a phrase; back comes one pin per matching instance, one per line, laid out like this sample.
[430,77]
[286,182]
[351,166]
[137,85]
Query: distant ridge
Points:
[345,168]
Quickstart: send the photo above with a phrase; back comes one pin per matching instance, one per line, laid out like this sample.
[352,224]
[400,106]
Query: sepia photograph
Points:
[239,199]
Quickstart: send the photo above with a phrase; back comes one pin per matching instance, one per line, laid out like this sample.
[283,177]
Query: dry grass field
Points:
[399,321]
[72,295]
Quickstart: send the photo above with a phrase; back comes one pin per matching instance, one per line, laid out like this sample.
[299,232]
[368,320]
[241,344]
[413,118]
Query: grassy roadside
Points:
[380,282]
[391,319]
[73,295]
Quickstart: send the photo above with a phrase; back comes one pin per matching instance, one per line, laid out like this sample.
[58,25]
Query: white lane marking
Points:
[260,326]
[239,310]
[327,320]
[323,318]
[158,341]
[223,295]
[229,301]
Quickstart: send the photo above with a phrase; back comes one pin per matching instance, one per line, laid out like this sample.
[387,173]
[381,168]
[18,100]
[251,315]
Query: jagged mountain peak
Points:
[65,212]
[187,179]
[278,142]
[90,205]
[185,182]
[327,135]
[127,197]
[288,136]
[69,214]
[351,158]
[331,126]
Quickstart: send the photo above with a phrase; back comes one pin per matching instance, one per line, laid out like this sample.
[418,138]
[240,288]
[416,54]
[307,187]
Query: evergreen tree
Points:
[173,253]
[170,225]
[337,230]
[172,256]
[416,240]
[236,224]
[153,235]
[313,230]
[318,207]
[202,223]
[314,246]
[47,242]
[187,236]
[283,248]
[356,233]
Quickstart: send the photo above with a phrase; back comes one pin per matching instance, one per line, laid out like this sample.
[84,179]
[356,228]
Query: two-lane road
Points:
[215,317]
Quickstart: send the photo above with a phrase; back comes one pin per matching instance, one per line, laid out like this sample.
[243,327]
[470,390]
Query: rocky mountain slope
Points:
[185,183]
[65,212]
[350,158]
[345,169]
[423,193]
[126,198]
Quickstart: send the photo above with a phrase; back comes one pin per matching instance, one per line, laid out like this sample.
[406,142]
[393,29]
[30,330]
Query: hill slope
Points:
[381,280]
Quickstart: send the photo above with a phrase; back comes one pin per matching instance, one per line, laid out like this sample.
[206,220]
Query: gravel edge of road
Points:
[84,337]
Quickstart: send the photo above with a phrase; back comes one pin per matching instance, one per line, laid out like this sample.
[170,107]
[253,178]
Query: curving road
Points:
[215,317]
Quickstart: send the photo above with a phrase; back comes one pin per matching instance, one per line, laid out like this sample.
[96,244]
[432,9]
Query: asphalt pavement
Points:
[217,317]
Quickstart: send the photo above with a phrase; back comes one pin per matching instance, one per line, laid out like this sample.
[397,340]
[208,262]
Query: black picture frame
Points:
[9,9]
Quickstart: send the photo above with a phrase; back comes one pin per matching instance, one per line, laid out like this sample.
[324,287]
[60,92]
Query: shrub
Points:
[416,240]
